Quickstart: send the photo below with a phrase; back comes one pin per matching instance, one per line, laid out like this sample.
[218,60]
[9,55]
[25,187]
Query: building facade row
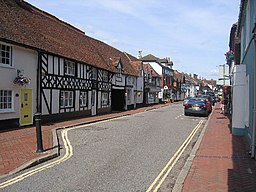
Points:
[241,60]
[48,66]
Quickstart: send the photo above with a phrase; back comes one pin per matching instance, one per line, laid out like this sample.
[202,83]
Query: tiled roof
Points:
[24,24]
[150,57]
[107,52]
[178,76]
[27,25]
[136,63]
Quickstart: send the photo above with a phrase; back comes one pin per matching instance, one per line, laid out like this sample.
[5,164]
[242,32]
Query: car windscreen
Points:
[197,100]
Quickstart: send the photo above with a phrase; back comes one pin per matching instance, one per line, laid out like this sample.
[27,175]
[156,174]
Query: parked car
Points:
[209,99]
[186,100]
[197,106]
[212,95]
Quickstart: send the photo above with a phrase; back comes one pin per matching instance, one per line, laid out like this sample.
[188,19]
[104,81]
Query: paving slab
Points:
[220,162]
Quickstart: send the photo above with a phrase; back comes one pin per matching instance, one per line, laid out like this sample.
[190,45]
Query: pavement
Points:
[218,162]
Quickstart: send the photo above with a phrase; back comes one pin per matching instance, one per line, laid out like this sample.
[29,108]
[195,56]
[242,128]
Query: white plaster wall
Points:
[99,99]
[47,95]
[139,88]
[118,83]
[50,64]
[56,66]
[61,66]
[26,61]
[55,105]
[89,99]
[239,100]
[140,83]
[77,101]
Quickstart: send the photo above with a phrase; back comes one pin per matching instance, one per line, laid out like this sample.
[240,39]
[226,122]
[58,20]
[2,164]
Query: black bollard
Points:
[39,133]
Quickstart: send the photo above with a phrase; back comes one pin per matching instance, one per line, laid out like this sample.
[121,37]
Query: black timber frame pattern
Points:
[55,79]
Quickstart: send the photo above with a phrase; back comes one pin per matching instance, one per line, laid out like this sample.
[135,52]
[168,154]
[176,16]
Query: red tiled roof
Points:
[136,63]
[25,24]
[107,52]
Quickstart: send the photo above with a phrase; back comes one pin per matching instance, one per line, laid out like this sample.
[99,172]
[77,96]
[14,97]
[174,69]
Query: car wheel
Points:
[186,114]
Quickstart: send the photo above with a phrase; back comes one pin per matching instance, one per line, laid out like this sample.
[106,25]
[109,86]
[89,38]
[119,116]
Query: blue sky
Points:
[193,33]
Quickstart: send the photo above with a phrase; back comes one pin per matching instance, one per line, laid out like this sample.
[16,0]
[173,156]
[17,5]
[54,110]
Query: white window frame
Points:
[70,68]
[119,72]
[66,99]
[105,76]
[4,57]
[94,74]
[104,98]
[83,98]
[6,100]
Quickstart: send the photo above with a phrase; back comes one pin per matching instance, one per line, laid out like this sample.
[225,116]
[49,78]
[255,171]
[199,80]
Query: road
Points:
[120,155]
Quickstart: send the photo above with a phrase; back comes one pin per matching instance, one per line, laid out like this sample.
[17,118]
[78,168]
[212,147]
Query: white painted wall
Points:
[140,88]
[118,81]
[26,61]
[239,97]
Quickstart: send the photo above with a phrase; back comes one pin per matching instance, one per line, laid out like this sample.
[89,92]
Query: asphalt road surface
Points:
[121,155]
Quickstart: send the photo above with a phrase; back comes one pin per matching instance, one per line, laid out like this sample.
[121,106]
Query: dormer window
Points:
[119,72]
[69,68]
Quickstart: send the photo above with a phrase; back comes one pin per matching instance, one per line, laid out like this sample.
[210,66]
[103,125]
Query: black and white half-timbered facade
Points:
[118,92]
[61,76]
[70,89]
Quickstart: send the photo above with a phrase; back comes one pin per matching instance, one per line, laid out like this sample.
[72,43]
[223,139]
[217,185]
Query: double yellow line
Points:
[167,169]
[68,154]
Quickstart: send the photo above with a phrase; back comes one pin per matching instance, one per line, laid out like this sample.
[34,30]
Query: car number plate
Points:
[195,107]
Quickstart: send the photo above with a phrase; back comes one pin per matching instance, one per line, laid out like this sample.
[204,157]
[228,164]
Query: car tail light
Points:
[205,107]
[186,105]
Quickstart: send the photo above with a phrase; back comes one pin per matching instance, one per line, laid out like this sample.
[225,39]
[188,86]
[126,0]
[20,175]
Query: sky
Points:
[193,33]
